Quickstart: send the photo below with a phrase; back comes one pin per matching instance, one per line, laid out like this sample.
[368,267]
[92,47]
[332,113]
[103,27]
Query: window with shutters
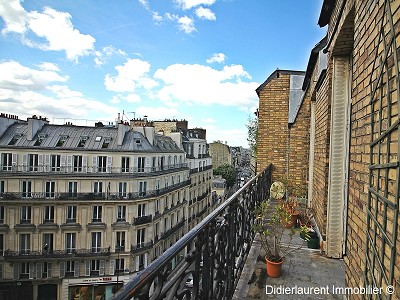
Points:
[141,164]
[102,164]
[122,189]
[69,268]
[125,162]
[50,189]
[55,163]
[97,187]
[46,270]
[95,267]
[26,187]
[24,270]
[33,160]
[6,161]
[142,188]
[77,163]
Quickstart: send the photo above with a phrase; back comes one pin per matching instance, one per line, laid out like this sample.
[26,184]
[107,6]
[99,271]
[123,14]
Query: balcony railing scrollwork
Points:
[216,250]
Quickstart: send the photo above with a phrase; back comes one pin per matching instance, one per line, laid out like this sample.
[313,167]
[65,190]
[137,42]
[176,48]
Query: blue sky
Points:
[200,60]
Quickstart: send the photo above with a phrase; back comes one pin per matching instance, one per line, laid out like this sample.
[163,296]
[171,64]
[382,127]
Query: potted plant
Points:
[276,239]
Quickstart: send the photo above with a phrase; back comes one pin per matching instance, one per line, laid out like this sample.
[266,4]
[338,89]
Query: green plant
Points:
[270,226]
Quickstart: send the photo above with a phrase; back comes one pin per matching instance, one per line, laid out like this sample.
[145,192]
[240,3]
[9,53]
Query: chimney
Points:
[122,129]
[6,120]
[34,125]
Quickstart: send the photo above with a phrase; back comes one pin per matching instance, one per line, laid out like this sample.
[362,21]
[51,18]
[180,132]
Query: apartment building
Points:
[82,209]
[220,153]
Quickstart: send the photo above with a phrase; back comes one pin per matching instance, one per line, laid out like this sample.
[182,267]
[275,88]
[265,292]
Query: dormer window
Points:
[62,140]
[82,141]
[106,142]
[97,139]
[40,139]
[15,139]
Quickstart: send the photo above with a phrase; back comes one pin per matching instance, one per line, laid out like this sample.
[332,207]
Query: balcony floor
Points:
[302,268]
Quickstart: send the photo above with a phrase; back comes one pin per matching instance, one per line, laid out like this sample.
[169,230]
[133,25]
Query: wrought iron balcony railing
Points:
[216,249]
[141,247]
[88,170]
[142,220]
[47,254]
[93,196]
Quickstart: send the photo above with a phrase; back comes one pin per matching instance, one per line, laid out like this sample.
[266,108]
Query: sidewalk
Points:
[304,271]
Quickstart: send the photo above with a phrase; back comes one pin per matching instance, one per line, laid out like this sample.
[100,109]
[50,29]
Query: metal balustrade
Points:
[216,249]
[93,196]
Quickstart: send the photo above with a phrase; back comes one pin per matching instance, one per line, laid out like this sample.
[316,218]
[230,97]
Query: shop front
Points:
[16,290]
[102,288]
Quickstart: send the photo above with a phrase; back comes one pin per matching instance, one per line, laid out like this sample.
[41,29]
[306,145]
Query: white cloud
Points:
[233,137]
[205,14]
[25,91]
[54,27]
[131,75]
[216,57]
[204,85]
[14,16]
[14,76]
[187,4]
[208,120]
[145,4]
[47,66]
[102,56]
[157,17]
[186,24]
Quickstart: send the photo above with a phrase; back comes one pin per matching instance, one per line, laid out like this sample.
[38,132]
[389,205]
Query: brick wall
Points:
[275,145]
[272,141]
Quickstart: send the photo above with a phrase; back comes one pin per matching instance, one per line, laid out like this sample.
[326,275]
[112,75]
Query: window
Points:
[24,270]
[157,205]
[1,214]
[49,189]
[119,265]
[70,268]
[26,189]
[48,214]
[1,244]
[62,140]
[6,161]
[25,243]
[95,267]
[142,188]
[82,141]
[141,164]
[121,213]
[33,162]
[72,189]
[40,139]
[96,213]
[125,164]
[70,242]
[140,234]
[15,139]
[106,142]
[70,214]
[48,242]
[77,163]
[102,164]
[142,210]
[55,163]
[120,246]
[97,187]
[25,215]
[46,271]
[122,187]
[2,184]
[153,165]
[141,261]
[166,202]
[96,242]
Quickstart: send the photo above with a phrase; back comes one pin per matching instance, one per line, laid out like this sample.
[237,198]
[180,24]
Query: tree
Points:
[228,172]
[252,134]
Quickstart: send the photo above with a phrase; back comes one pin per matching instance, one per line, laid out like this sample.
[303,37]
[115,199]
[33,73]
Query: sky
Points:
[85,61]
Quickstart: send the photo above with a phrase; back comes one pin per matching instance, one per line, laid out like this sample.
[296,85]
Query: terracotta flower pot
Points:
[274,269]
